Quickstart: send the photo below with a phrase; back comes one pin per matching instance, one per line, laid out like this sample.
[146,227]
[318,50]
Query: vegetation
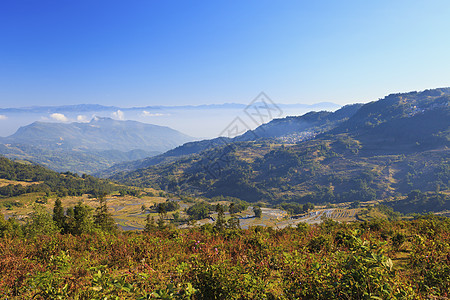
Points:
[369,260]
[200,210]
[47,181]
[315,172]
[395,149]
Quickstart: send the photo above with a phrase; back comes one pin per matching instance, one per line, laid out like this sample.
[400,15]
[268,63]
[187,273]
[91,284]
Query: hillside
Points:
[386,149]
[299,128]
[89,147]
[23,178]
[289,129]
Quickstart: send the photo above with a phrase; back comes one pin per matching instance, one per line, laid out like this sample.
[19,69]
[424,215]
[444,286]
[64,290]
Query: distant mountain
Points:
[190,119]
[99,134]
[381,150]
[289,129]
[97,107]
[88,147]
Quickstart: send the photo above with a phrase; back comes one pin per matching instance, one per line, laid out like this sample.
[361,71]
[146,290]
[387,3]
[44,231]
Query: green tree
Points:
[220,222]
[161,223]
[236,207]
[162,209]
[308,206]
[199,210]
[4,226]
[257,211]
[58,214]
[149,224]
[233,223]
[82,219]
[102,218]
[40,223]
[176,217]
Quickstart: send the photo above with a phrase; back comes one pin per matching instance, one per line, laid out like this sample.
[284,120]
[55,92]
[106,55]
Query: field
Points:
[130,212]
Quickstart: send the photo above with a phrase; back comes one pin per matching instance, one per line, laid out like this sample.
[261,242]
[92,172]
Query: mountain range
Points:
[97,107]
[384,149]
[205,121]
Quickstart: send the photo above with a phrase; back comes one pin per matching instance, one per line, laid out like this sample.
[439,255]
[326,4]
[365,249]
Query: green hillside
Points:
[289,129]
[385,150]
[28,178]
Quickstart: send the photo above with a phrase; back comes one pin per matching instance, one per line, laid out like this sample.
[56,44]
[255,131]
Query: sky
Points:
[144,52]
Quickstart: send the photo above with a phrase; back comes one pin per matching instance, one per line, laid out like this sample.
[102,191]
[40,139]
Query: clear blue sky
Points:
[143,52]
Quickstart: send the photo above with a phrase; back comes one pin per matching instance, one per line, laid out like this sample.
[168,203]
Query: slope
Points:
[386,149]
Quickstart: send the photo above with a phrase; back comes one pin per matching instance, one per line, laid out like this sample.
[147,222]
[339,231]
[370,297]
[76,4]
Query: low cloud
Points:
[118,115]
[59,117]
[3,117]
[149,114]
[82,119]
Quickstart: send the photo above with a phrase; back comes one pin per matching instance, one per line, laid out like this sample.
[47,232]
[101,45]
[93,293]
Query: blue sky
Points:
[143,52]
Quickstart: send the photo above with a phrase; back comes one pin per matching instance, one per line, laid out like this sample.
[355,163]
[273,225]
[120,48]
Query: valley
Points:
[323,198]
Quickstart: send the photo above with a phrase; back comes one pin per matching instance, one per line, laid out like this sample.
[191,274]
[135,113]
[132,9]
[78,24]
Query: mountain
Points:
[190,119]
[382,150]
[88,147]
[96,107]
[293,129]
[289,129]
[99,134]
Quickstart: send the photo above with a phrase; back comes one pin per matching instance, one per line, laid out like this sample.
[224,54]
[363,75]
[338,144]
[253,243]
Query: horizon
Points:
[187,119]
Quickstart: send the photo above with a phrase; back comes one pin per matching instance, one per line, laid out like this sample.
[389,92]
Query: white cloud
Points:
[3,117]
[59,117]
[82,119]
[149,114]
[118,115]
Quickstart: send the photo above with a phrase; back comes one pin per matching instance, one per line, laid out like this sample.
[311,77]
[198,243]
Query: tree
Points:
[4,226]
[232,208]
[308,206]
[82,219]
[233,223]
[40,223]
[236,207]
[69,222]
[58,214]
[199,210]
[149,224]
[220,222]
[257,211]
[176,216]
[161,223]
[355,204]
[161,209]
[102,218]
